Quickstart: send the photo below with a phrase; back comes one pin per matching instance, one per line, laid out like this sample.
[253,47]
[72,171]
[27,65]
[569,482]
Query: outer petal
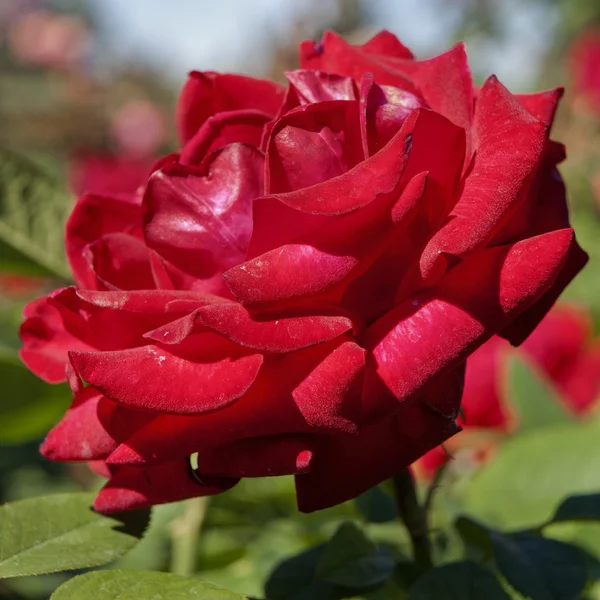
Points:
[345,467]
[509,145]
[46,343]
[151,378]
[542,105]
[206,94]
[316,390]
[475,299]
[334,55]
[82,434]
[93,217]
[445,83]
[134,487]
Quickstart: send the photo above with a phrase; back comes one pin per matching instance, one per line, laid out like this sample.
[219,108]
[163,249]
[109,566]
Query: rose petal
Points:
[82,433]
[151,378]
[334,55]
[133,487]
[542,105]
[46,343]
[329,256]
[472,302]
[345,467]
[314,86]
[234,322]
[222,129]
[509,145]
[119,261]
[201,222]
[310,391]
[93,217]
[267,456]
[206,94]
[311,144]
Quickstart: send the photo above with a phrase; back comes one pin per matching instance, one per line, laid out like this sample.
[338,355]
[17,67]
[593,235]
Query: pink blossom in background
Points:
[138,128]
[45,39]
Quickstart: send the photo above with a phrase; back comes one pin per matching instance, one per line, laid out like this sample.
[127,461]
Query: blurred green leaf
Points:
[579,508]
[463,580]
[61,532]
[294,579]
[134,585]
[539,568]
[350,559]
[377,506]
[33,212]
[531,474]
[536,402]
[475,535]
[29,406]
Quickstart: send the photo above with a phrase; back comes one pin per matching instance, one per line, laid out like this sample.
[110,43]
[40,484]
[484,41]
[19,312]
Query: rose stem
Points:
[185,532]
[414,517]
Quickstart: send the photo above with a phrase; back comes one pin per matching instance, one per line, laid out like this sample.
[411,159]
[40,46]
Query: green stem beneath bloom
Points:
[185,533]
[414,517]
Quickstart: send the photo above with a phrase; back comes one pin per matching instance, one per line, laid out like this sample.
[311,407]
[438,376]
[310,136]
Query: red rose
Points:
[297,291]
[561,349]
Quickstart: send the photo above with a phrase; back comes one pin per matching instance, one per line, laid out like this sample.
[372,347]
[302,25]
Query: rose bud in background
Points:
[298,289]
[561,350]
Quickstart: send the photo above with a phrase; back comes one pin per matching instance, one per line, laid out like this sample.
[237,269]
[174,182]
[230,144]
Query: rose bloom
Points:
[561,350]
[296,291]
[584,67]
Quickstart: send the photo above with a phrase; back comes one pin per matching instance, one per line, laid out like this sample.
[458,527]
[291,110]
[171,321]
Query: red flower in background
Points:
[584,66]
[563,351]
[297,290]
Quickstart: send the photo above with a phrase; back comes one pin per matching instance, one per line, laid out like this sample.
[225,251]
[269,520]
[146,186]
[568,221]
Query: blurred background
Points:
[91,85]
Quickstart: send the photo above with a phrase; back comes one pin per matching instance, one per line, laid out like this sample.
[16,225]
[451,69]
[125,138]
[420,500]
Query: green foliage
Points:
[531,474]
[465,580]
[535,400]
[350,559]
[539,568]
[61,532]
[377,506]
[29,406]
[135,585]
[33,212]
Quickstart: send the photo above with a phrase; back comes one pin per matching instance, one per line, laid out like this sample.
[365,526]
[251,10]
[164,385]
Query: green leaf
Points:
[463,580]
[475,535]
[61,532]
[579,508]
[29,406]
[140,585]
[377,506]
[535,400]
[532,473]
[294,579]
[33,212]
[350,559]
[539,568]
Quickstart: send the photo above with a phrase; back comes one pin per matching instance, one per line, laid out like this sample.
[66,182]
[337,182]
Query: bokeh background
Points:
[90,86]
